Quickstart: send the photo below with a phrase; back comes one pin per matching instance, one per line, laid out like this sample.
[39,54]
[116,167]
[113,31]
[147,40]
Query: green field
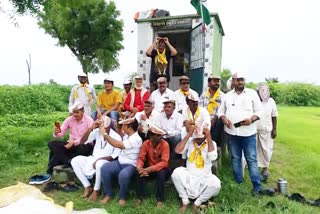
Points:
[23,152]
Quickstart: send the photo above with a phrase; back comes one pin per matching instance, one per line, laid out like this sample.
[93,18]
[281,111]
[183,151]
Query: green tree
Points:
[31,6]
[89,28]
[272,80]
[225,75]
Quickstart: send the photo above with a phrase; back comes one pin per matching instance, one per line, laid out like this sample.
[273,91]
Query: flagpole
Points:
[203,24]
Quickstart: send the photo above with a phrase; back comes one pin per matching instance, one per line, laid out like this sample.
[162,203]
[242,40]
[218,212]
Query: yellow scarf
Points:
[161,57]
[213,104]
[86,91]
[196,115]
[185,93]
[196,155]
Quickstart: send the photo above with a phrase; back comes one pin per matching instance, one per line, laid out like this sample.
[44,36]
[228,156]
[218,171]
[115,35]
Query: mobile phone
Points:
[57,124]
[238,124]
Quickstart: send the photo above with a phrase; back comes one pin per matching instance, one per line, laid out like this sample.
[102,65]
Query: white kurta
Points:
[181,99]
[264,128]
[159,98]
[196,183]
[152,120]
[83,165]
[83,97]
[203,117]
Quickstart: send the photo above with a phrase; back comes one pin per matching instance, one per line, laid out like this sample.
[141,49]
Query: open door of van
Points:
[196,73]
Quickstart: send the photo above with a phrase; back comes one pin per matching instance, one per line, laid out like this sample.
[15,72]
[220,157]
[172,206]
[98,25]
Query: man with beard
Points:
[211,100]
[160,59]
[239,110]
[135,100]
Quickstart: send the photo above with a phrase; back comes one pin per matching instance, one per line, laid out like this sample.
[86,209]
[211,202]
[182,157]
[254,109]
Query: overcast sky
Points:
[266,38]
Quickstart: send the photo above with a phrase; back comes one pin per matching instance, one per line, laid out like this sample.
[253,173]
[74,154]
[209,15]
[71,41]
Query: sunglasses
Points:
[185,83]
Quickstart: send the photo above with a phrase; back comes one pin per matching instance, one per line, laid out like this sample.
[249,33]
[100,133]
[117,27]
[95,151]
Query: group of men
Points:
[135,133]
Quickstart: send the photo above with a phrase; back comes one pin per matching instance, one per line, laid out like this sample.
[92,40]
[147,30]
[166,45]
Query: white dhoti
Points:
[87,109]
[83,168]
[264,148]
[200,187]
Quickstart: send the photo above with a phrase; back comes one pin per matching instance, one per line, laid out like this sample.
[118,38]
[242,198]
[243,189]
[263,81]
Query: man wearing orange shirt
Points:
[156,153]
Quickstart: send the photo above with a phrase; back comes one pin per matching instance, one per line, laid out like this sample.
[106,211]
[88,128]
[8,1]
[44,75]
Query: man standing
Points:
[153,163]
[181,93]
[211,100]
[135,100]
[86,167]
[171,122]
[196,181]
[61,152]
[108,102]
[266,129]
[160,59]
[162,94]
[146,119]
[239,110]
[127,84]
[83,93]
[125,167]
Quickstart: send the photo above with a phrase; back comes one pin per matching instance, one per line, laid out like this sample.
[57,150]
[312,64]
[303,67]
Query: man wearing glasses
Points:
[181,93]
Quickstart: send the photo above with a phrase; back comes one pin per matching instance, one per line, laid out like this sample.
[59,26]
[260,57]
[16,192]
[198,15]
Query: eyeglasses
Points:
[185,83]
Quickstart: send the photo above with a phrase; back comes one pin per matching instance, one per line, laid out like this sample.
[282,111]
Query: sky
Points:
[266,38]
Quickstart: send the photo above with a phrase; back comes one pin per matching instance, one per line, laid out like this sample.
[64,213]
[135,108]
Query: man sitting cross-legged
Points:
[125,167]
[86,166]
[196,181]
[153,163]
[61,152]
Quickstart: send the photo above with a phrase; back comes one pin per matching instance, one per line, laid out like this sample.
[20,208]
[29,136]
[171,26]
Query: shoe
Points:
[264,191]
[51,186]
[39,179]
[69,187]
[297,197]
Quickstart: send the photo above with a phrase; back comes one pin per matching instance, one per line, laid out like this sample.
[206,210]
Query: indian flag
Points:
[202,10]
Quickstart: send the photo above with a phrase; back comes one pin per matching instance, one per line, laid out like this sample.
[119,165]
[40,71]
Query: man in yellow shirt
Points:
[108,102]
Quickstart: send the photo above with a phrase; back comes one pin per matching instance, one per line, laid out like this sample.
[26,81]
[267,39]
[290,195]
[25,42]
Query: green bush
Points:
[300,94]
[32,120]
[42,98]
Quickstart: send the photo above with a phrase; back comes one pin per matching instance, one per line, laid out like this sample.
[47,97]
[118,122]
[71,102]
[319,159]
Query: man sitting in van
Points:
[160,59]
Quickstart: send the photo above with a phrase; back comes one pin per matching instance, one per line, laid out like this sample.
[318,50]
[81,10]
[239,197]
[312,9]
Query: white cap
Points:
[76,106]
[106,121]
[239,75]
[198,132]
[137,77]
[81,74]
[127,121]
[193,96]
[126,82]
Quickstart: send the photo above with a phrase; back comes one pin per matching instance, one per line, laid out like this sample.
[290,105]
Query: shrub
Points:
[42,98]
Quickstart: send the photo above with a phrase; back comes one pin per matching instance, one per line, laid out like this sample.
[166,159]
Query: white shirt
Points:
[173,125]
[102,148]
[269,111]
[152,120]
[159,98]
[130,153]
[181,99]
[208,157]
[237,107]
[203,117]
[82,96]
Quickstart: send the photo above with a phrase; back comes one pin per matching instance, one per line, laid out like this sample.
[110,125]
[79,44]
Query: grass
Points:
[296,157]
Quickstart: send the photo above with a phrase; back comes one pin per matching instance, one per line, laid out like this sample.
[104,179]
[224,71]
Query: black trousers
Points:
[58,154]
[160,177]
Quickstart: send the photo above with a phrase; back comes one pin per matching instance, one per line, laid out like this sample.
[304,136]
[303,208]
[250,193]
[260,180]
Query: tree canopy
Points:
[89,28]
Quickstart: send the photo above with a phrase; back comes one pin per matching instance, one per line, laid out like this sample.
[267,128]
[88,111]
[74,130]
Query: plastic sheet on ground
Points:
[22,198]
